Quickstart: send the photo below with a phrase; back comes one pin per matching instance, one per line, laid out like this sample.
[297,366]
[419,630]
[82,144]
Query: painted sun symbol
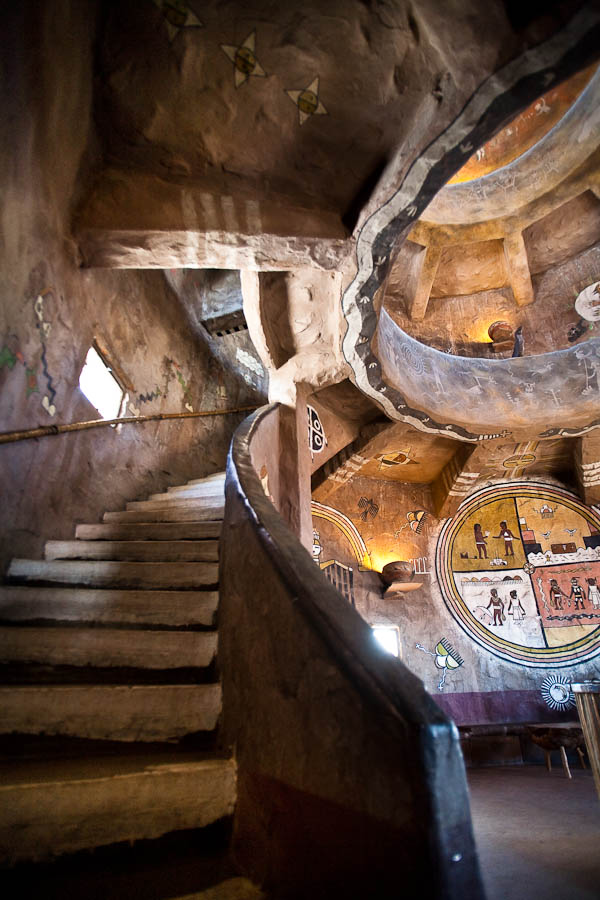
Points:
[245,63]
[308,101]
[556,692]
[177,15]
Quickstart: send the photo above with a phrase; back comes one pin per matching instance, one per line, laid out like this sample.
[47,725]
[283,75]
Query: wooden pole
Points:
[10,437]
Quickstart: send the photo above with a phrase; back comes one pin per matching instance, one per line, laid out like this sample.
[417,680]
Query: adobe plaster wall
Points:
[484,688]
[50,311]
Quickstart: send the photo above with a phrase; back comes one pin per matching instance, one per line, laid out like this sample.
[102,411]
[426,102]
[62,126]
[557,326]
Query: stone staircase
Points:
[109,699]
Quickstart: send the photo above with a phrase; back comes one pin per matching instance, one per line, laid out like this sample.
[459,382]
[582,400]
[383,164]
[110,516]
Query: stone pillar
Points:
[295,467]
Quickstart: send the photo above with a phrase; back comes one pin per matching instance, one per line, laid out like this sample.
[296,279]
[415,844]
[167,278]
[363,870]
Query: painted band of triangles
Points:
[529,593]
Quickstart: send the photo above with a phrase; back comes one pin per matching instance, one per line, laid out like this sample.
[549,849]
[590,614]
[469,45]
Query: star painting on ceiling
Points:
[245,63]
[308,102]
[177,15]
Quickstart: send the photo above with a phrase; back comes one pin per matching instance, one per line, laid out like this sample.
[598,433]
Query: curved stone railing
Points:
[351,780]
[487,396]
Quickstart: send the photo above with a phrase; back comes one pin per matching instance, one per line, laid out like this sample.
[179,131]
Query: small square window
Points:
[101,387]
[388,637]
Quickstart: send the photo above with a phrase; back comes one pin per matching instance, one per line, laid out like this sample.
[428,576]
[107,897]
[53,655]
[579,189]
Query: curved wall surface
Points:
[445,392]
[552,159]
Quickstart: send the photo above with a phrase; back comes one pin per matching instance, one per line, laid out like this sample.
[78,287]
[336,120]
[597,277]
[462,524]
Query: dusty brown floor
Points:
[538,833]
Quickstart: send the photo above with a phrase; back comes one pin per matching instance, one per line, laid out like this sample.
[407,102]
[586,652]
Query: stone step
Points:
[231,889]
[62,806]
[194,490]
[156,551]
[166,514]
[171,608]
[208,479]
[110,712]
[111,573]
[107,647]
[153,531]
[176,502]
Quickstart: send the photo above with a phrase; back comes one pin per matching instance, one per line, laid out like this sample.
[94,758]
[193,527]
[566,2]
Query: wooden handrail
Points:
[346,766]
[10,437]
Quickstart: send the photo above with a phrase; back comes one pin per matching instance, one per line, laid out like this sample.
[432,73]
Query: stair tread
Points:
[176,502]
[190,490]
[217,476]
[96,768]
[106,647]
[21,603]
[152,551]
[115,573]
[142,531]
[120,712]
[166,514]
[62,806]
[230,889]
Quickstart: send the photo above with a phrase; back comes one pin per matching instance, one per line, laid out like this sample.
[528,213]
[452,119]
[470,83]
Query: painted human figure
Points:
[480,541]
[508,536]
[556,594]
[577,594]
[593,593]
[497,606]
[516,607]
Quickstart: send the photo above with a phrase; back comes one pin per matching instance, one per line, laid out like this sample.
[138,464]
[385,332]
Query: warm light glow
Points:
[480,333]
[379,559]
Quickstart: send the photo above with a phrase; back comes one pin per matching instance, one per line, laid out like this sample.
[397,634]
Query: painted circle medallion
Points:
[519,570]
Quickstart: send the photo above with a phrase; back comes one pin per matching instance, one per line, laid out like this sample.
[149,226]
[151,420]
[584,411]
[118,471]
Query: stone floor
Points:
[538,833]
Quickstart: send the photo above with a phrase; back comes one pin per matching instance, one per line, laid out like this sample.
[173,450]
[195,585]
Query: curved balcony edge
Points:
[350,776]
[556,393]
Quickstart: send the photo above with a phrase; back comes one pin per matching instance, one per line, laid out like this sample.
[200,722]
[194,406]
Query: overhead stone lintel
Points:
[587,467]
[137,220]
[517,266]
[425,266]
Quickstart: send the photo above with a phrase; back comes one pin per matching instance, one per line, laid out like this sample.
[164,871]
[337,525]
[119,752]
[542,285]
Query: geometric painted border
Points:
[539,657]
[347,528]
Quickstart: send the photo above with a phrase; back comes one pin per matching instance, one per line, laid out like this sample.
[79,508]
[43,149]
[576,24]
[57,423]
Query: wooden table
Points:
[562,736]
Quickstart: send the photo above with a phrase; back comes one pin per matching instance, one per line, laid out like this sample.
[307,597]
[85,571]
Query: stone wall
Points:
[51,310]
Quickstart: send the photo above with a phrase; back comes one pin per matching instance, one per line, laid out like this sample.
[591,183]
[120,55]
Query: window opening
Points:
[388,637]
[99,384]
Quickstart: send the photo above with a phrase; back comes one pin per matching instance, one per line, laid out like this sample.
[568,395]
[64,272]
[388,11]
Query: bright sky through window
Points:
[388,638]
[100,387]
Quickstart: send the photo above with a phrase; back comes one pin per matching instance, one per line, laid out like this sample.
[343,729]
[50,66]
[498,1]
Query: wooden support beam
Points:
[425,266]
[456,480]
[517,267]
[137,220]
[587,467]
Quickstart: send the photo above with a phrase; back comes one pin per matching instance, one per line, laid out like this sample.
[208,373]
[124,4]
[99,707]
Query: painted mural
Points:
[517,85]
[245,63]
[519,569]
[177,14]
[445,657]
[308,101]
[316,435]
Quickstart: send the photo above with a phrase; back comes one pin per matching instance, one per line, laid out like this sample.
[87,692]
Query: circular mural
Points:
[519,569]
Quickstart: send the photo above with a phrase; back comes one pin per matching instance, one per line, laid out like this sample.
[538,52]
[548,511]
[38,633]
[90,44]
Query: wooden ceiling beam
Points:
[517,267]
